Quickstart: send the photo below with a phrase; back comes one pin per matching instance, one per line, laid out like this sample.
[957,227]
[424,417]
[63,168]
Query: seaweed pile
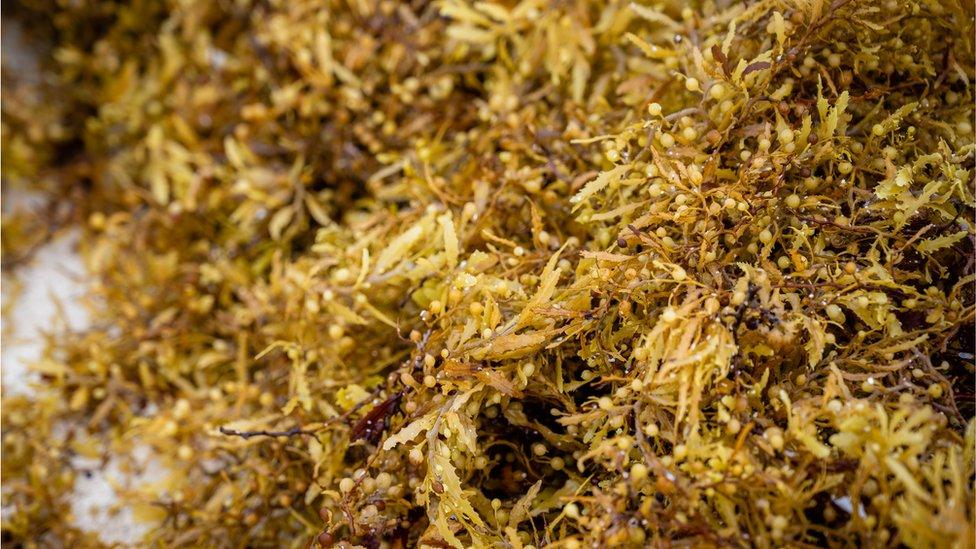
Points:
[531,273]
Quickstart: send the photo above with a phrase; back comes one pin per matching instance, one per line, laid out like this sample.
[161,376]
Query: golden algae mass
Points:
[501,274]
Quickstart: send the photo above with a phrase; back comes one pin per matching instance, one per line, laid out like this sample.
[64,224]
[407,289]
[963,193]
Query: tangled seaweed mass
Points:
[539,273]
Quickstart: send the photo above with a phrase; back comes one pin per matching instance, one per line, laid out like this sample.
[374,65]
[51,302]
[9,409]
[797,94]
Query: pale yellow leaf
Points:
[450,239]
[409,432]
[598,184]
[935,244]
